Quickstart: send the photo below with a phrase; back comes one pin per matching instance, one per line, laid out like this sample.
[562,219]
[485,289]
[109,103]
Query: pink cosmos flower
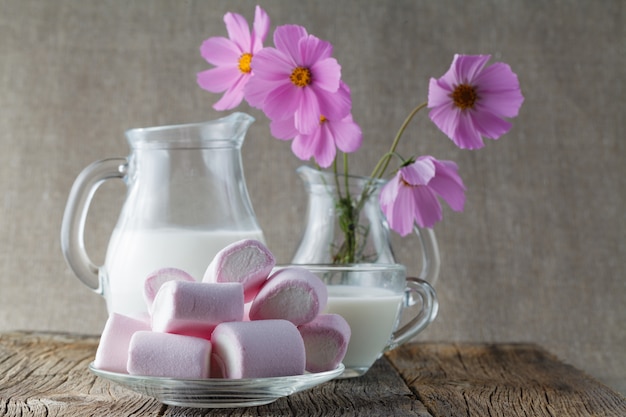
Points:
[470,101]
[232,57]
[322,143]
[411,196]
[297,79]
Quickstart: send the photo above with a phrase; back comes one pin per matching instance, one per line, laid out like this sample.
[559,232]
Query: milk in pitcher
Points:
[134,254]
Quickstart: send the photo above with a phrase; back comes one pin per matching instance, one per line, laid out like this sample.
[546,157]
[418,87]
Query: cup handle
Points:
[431,261]
[75,215]
[430,306]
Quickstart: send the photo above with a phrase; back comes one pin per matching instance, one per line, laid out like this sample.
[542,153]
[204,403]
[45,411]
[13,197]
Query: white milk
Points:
[372,315]
[133,254]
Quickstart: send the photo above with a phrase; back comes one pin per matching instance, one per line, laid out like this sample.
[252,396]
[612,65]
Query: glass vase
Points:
[345,225]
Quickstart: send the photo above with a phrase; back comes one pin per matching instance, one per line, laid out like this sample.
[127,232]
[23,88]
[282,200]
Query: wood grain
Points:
[45,374]
[501,380]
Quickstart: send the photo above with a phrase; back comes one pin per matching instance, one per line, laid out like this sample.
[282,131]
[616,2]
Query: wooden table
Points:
[43,374]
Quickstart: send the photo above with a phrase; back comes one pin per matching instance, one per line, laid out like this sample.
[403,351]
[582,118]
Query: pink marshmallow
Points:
[168,355]
[258,349]
[247,261]
[154,281]
[195,308]
[326,341]
[112,353]
[295,294]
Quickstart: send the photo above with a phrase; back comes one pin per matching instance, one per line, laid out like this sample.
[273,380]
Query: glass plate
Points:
[218,393]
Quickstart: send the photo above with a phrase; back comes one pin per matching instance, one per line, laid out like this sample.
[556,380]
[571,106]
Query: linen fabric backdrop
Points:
[537,256]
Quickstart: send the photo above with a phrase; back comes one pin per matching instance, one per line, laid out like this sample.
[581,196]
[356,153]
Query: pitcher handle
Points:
[428,313]
[431,261]
[75,215]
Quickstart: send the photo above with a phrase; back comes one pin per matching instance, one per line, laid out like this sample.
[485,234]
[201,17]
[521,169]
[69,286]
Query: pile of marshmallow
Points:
[241,321]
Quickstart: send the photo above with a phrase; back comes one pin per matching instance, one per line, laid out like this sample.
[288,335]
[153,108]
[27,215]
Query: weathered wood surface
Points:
[44,374]
[47,375]
[501,380]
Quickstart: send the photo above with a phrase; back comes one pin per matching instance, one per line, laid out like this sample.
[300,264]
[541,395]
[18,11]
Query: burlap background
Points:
[539,253]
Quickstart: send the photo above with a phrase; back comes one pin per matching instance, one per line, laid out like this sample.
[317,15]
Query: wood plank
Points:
[47,375]
[501,380]
[43,374]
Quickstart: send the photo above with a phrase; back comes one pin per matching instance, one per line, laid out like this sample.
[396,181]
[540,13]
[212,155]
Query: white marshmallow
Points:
[112,353]
[153,282]
[294,293]
[258,349]
[168,355]
[326,341]
[247,261]
[195,308]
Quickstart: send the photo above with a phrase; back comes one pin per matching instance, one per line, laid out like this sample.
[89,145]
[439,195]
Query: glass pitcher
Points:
[186,199]
[324,240]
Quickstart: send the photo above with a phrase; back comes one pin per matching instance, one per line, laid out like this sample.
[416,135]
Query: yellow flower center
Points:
[464,96]
[301,77]
[244,63]
[323,119]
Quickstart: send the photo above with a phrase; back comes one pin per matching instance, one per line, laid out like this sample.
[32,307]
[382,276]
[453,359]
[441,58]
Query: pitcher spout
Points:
[232,127]
[228,131]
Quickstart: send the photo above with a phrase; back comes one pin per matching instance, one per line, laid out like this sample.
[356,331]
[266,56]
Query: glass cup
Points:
[374,299]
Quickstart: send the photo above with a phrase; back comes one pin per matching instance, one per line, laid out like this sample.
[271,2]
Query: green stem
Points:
[335,171]
[346,173]
[352,221]
[349,208]
[382,164]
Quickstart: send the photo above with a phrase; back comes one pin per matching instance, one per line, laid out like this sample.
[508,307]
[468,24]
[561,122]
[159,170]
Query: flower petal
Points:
[347,134]
[325,149]
[233,96]
[256,92]
[313,49]
[465,134]
[218,79]
[446,117]
[335,106]
[220,51]
[398,205]
[448,184]
[418,173]
[498,88]
[489,124]
[326,74]
[428,210]
[303,147]
[287,39]
[238,31]
[438,93]
[388,192]
[260,29]
[497,77]
[283,129]
[467,67]
[283,101]
[272,65]
[307,114]
[503,103]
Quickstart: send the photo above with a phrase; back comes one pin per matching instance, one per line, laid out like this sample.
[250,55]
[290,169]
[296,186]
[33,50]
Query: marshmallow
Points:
[168,355]
[295,294]
[326,341]
[154,281]
[112,353]
[247,261]
[195,308]
[258,349]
